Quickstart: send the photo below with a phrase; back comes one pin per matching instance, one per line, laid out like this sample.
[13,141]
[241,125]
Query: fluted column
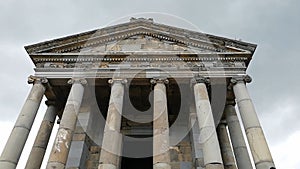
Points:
[226,150]
[161,156]
[111,144]
[208,136]
[61,147]
[237,138]
[256,139]
[38,150]
[17,139]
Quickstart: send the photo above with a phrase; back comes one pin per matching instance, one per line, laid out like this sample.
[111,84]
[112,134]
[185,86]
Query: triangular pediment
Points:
[143,43]
[140,36]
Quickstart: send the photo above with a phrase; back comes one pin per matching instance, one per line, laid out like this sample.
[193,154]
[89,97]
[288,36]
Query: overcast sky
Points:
[272,24]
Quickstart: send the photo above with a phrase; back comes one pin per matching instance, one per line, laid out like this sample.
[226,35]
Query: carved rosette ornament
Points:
[241,79]
[34,79]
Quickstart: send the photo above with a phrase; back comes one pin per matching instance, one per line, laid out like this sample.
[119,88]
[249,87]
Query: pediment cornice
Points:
[75,43]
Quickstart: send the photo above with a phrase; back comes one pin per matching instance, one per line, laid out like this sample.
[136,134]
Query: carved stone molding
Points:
[133,59]
[34,79]
[141,30]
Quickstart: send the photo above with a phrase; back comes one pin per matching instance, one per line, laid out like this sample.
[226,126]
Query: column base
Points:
[214,166]
[161,166]
[107,166]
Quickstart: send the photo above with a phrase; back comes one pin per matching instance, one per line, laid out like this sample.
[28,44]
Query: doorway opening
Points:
[137,152]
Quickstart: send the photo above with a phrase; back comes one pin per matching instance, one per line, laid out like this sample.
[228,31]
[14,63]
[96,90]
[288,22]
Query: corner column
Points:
[226,150]
[161,156]
[38,150]
[256,139]
[237,138]
[208,136]
[17,139]
[112,145]
[61,147]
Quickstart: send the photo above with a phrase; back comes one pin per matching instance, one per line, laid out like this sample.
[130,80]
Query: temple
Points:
[141,95]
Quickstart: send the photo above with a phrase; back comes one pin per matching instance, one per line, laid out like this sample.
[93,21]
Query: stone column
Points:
[161,156]
[208,136]
[77,157]
[41,141]
[195,140]
[226,150]
[256,139]
[61,147]
[111,146]
[237,139]
[17,139]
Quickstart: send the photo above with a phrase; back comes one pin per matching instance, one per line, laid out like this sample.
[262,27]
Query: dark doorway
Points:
[137,163]
[137,152]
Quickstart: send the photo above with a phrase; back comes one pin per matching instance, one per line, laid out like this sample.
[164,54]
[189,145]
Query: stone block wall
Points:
[181,155]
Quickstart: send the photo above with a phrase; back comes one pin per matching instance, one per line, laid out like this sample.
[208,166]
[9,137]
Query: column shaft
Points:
[61,147]
[257,141]
[111,146]
[208,136]
[17,139]
[41,141]
[161,156]
[79,147]
[237,139]
[226,150]
[195,141]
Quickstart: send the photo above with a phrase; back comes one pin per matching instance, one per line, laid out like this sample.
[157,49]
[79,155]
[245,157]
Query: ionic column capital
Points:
[82,81]
[230,102]
[34,79]
[200,79]
[223,122]
[162,80]
[241,79]
[50,102]
[117,80]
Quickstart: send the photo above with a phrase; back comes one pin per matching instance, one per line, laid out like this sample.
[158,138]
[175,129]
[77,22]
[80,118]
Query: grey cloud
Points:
[282,121]
[272,24]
